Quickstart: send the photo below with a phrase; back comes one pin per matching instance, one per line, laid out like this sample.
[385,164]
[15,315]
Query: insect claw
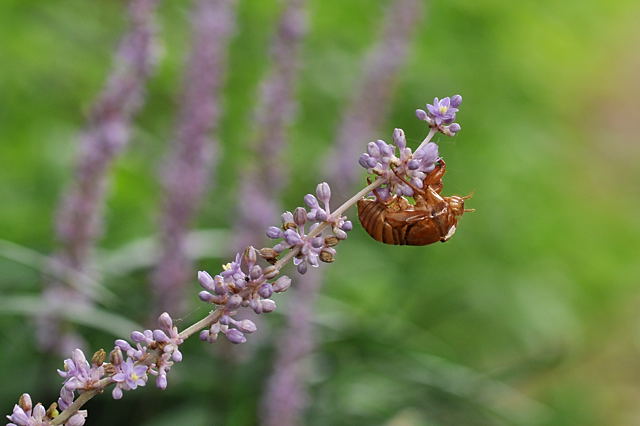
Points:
[466,197]
[469,210]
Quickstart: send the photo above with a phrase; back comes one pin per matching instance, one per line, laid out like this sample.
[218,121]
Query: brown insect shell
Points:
[396,221]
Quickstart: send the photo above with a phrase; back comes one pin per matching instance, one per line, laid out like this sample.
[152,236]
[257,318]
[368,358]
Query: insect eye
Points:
[246,279]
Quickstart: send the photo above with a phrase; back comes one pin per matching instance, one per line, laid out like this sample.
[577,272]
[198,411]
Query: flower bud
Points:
[422,115]
[282,284]
[205,296]
[347,226]
[300,216]
[265,290]
[326,256]
[399,138]
[413,164]
[160,336]
[331,241]
[317,242]
[323,191]
[386,149]
[246,326]
[234,301]
[138,337]
[268,305]
[274,233]
[98,357]
[287,217]
[268,254]
[52,412]
[373,149]
[270,272]
[255,272]
[206,281]
[115,356]
[364,160]
[123,344]
[289,225]
[280,247]
[311,201]
[161,381]
[302,268]
[235,336]
[250,255]
[166,323]
[456,100]
[25,402]
[339,233]
[116,393]
[321,215]
[76,420]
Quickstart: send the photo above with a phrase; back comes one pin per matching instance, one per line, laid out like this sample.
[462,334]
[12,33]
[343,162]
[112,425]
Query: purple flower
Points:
[129,376]
[24,414]
[78,373]
[441,114]
[166,339]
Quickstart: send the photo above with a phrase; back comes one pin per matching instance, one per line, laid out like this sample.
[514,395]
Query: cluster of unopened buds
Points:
[307,236]
[311,246]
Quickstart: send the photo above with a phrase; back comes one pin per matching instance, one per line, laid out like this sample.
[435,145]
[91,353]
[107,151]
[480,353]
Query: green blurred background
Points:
[528,316]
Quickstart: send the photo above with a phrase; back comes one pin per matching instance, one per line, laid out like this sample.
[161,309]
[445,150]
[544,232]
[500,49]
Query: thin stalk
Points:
[426,140]
[214,315]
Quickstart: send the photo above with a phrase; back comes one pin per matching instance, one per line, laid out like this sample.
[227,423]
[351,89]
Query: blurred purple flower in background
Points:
[264,177]
[79,218]
[193,151]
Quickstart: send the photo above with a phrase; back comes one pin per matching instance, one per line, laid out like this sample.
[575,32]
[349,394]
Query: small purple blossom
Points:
[24,415]
[442,111]
[128,377]
[79,374]
[441,114]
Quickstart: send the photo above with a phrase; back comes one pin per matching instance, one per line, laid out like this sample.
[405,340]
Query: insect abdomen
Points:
[372,215]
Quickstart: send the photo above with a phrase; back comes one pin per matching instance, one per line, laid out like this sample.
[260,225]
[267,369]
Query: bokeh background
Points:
[528,316]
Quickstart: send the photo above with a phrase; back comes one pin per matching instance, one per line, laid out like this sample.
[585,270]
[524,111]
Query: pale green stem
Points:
[426,140]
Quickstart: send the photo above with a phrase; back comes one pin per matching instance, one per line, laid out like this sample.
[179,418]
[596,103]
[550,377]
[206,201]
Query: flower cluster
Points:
[441,114]
[310,244]
[381,160]
[25,414]
[242,282]
[400,171]
[79,374]
[155,352]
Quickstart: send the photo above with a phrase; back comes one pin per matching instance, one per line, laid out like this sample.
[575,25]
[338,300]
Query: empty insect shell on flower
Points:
[431,219]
